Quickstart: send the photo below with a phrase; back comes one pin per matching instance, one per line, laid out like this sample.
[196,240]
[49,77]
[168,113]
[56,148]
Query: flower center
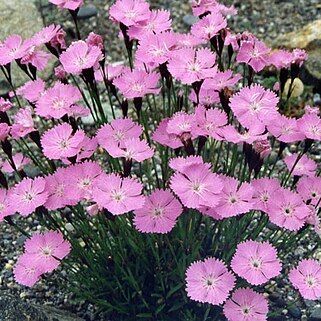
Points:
[119,135]
[46,251]
[117,196]
[194,67]
[29,196]
[138,88]
[209,282]
[197,187]
[85,183]
[2,207]
[81,61]
[232,199]
[130,14]
[246,310]
[157,212]
[264,197]
[58,103]
[64,143]
[311,281]
[287,210]
[256,263]
[255,106]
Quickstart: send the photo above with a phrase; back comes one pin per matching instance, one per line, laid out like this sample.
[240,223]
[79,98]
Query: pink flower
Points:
[19,160]
[208,121]
[221,80]
[310,126]
[196,186]
[4,131]
[26,271]
[286,209]
[94,40]
[159,214]
[117,132]
[87,148]
[304,166]
[209,26]
[28,194]
[32,90]
[285,129]
[263,189]
[156,49]
[299,56]
[60,72]
[11,49]
[306,277]
[187,40]
[162,137]
[132,148]
[111,72]
[312,110]
[262,147]
[181,125]
[256,262]
[230,134]
[118,195]
[234,199]
[56,187]
[45,249]
[23,123]
[206,97]
[180,164]
[5,208]
[56,101]
[201,7]
[281,59]
[37,58]
[158,21]
[80,56]
[309,189]
[255,107]
[189,65]
[45,35]
[81,178]
[67,4]
[137,83]
[60,142]
[246,305]
[209,281]
[129,12]
[5,104]
[254,53]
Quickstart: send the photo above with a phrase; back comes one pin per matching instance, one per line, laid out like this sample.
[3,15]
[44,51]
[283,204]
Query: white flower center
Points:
[194,67]
[117,196]
[29,196]
[256,263]
[311,281]
[46,251]
[209,282]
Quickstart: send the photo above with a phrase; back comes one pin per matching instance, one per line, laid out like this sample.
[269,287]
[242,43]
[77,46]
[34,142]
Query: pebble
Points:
[315,315]
[295,312]
[87,12]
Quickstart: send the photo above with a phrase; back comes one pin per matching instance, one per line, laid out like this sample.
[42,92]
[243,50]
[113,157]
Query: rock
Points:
[189,19]
[315,315]
[308,38]
[87,12]
[295,312]
[13,309]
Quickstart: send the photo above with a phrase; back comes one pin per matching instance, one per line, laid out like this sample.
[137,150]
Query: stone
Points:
[87,12]
[308,38]
[315,315]
[13,309]
[295,312]
[189,19]
[19,17]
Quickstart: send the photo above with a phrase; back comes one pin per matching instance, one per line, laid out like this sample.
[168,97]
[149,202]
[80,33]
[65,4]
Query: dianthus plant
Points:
[171,187]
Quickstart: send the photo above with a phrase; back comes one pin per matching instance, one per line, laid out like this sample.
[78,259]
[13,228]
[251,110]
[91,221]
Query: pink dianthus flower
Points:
[309,189]
[304,166]
[67,4]
[32,90]
[23,123]
[19,161]
[310,126]
[5,208]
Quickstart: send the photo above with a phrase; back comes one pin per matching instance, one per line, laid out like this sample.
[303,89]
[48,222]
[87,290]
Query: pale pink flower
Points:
[299,56]
[129,12]
[263,189]
[28,194]
[87,148]
[60,72]
[46,249]
[306,277]
[189,65]
[26,271]
[117,132]
[201,7]
[197,186]
[32,90]
[111,72]
[60,142]
[286,209]
[137,83]
[11,49]
[285,129]
[312,110]
[208,121]
[304,166]
[309,189]
[118,195]
[162,137]
[77,111]
[180,164]
[5,104]
[156,49]
[59,40]
[235,199]
[80,56]
[310,126]
[132,148]
[159,214]
[262,147]
[19,160]
[37,58]
[23,123]
[209,26]
[205,97]
[67,4]
[56,101]
[209,281]
[45,35]
[81,179]
[256,262]
[158,21]
[5,208]
[255,107]
[181,124]
[187,40]
[281,59]
[254,53]
[94,40]
[221,80]
[246,305]
[4,131]
[231,134]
